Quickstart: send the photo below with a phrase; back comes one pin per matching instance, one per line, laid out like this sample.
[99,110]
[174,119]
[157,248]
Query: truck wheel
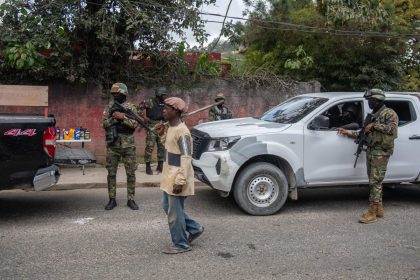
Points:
[261,189]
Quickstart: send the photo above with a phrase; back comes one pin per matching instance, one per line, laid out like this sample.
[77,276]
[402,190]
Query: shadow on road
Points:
[328,199]
[26,205]
[21,205]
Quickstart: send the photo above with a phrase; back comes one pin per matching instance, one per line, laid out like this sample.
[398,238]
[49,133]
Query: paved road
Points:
[67,235]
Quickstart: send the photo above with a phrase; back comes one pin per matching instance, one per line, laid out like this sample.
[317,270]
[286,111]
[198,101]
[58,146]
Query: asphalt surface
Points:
[68,235]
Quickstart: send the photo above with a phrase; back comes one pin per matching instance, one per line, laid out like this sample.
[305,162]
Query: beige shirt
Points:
[177,168]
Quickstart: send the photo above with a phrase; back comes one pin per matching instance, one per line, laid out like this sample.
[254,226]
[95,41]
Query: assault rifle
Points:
[363,139]
[117,107]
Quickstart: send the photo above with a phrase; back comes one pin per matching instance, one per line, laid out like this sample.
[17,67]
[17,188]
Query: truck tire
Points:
[261,189]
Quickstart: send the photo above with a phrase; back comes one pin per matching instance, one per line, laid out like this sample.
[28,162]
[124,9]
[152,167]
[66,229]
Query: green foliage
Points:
[345,62]
[412,80]
[23,57]
[204,67]
[93,41]
[300,61]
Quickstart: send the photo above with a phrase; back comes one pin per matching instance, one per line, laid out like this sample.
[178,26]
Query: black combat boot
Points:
[111,204]
[132,204]
[148,169]
[159,166]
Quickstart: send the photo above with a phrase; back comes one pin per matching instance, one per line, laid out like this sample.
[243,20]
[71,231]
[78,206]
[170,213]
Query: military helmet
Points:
[375,93]
[220,95]
[350,107]
[160,91]
[119,88]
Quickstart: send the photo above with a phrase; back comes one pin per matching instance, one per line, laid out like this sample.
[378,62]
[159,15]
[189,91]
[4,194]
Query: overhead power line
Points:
[313,29]
[223,26]
[292,26]
[266,24]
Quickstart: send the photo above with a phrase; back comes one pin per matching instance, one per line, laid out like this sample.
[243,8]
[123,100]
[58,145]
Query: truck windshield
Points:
[293,110]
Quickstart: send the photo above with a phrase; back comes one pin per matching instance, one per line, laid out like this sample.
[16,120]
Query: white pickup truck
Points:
[263,160]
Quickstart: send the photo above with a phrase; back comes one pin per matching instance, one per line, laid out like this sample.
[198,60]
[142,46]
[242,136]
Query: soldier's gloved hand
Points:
[177,189]
[160,128]
[118,115]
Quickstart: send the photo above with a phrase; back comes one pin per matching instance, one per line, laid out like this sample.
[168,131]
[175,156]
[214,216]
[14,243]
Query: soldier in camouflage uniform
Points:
[382,133]
[122,147]
[154,108]
[219,112]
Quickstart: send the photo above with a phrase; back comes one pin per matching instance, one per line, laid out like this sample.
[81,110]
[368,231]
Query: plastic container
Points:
[77,134]
[66,134]
[71,133]
[87,134]
[57,133]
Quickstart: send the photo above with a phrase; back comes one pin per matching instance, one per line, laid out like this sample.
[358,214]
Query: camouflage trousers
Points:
[376,169]
[128,157]
[151,139]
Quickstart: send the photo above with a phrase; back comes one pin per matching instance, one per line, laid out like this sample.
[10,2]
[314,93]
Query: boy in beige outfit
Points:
[177,181]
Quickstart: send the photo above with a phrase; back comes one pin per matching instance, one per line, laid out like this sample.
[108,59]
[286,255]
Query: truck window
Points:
[404,110]
[293,110]
[348,115]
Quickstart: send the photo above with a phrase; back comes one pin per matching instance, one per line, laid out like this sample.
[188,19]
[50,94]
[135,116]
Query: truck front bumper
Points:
[216,169]
[46,177]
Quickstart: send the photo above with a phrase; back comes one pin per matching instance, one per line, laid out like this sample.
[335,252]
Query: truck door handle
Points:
[414,137]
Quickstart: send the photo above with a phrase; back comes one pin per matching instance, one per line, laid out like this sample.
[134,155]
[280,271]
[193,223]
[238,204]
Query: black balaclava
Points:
[221,104]
[375,104]
[120,98]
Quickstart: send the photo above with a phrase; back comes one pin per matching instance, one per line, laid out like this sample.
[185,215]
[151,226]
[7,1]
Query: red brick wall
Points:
[75,106]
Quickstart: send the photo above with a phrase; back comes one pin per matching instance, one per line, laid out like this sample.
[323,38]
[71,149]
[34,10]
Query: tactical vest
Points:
[221,114]
[123,129]
[155,113]
[382,141]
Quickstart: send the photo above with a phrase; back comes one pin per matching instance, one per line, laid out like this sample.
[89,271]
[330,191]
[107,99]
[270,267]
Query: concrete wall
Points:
[75,105]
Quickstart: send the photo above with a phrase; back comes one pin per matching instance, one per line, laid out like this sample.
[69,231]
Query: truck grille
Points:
[200,142]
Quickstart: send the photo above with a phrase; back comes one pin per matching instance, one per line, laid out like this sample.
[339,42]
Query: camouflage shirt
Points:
[124,140]
[153,109]
[384,132]
[216,113]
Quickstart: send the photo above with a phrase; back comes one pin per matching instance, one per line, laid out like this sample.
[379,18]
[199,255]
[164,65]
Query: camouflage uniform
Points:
[220,112]
[381,148]
[217,114]
[122,149]
[153,105]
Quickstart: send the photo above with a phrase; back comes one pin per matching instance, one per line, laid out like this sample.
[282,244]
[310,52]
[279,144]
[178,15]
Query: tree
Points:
[93,40]
[340,43]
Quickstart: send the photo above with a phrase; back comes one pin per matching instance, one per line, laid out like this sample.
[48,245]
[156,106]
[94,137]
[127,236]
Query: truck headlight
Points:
[221,144]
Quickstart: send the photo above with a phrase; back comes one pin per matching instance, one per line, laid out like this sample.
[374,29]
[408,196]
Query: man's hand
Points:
[342,131]
[118,115]
[177,189]
[160,128]
[146,120]
[369,127]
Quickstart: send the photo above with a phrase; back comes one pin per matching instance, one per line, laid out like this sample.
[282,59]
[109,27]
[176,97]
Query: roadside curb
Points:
[63,187]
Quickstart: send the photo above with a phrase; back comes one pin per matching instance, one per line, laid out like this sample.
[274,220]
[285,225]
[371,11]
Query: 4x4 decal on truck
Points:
[19,132]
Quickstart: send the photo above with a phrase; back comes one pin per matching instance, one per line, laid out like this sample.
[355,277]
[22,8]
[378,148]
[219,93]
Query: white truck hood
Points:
[240,127]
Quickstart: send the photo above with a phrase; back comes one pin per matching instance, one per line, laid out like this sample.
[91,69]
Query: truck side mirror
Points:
[320,122]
